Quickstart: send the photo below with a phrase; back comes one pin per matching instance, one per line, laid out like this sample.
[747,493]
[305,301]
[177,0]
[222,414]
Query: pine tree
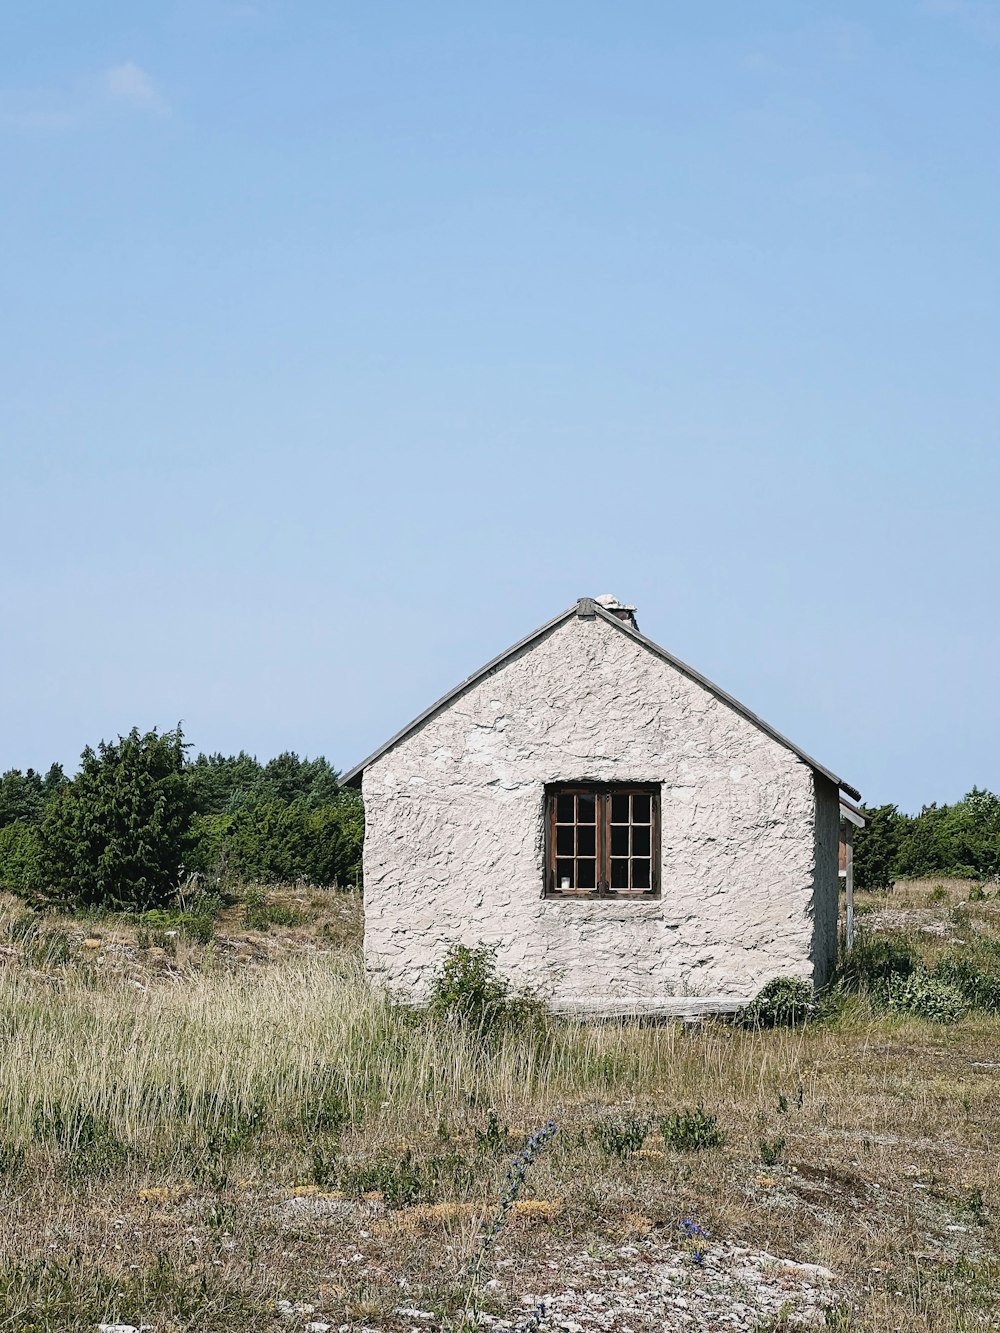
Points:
[117,834]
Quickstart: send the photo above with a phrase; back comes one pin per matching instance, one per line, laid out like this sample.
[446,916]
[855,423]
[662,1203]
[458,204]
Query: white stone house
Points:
[628,836]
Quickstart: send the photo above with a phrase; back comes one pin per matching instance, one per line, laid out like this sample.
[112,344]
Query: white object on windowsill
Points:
[564,882]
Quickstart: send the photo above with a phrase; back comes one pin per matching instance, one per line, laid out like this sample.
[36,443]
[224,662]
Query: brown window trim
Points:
[602,793]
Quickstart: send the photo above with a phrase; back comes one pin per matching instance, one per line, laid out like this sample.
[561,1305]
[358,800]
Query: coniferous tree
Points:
[117,834]
[22,797]
[876,847]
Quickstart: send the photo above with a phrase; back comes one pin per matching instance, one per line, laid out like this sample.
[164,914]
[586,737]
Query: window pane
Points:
[640,841]
[564,871]
[640,808]
[624,839]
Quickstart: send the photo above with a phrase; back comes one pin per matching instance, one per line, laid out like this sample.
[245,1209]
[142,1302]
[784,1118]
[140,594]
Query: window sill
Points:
[618,896]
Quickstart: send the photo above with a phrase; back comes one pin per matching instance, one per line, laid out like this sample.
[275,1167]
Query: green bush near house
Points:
[961,840]
[468,989]
[974,971]
[782,1002]
[140,816]
[873,961]
[925,996]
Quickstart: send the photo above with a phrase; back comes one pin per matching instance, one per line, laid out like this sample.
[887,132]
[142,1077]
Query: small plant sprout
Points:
[772,1150]
[494,1137]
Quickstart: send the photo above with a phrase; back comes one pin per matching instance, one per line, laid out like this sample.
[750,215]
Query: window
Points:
[602,841]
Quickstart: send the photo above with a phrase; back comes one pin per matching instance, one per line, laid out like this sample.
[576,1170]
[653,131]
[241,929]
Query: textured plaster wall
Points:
[454,843]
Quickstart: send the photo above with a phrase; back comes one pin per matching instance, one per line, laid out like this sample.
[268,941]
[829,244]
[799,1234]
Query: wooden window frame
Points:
[603,792]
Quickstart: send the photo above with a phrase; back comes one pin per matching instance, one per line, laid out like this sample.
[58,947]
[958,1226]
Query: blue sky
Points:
[345,343]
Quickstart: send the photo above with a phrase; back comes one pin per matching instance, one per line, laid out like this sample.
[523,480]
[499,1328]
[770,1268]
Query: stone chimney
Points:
[611,603]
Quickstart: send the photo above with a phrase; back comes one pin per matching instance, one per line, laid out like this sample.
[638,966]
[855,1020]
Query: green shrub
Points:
[976,973]
[691,1130]
[159,918]
[783,1002]
[621,1136]
[961,840]
[925,996]
[120,834]
[335,836]
[268,840]
[207,851]
[194,916]
[873,961]
[468,989]
[223,783]
[23,795]
[197,926]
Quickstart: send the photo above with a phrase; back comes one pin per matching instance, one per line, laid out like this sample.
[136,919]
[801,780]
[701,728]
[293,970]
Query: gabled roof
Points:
[588,608]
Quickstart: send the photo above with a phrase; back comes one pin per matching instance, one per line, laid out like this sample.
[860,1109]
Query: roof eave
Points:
[726,698]
[353,778]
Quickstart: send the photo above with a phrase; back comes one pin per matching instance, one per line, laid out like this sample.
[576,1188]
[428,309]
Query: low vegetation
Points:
[224,1127]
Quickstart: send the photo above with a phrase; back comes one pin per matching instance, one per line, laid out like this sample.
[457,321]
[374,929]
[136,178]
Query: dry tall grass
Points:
[177,1140]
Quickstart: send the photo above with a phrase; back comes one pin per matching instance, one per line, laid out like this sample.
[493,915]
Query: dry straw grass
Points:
[187,1147]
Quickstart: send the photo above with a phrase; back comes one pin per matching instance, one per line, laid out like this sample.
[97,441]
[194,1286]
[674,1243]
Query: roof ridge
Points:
[589,608]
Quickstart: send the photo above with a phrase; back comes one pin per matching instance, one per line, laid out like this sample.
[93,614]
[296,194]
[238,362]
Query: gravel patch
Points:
[653,1286]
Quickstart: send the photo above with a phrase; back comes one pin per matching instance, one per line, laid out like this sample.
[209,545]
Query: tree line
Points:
[140,816]
[961,839]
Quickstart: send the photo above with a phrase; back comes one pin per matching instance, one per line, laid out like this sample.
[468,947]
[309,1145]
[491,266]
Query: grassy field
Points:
[229,1131]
